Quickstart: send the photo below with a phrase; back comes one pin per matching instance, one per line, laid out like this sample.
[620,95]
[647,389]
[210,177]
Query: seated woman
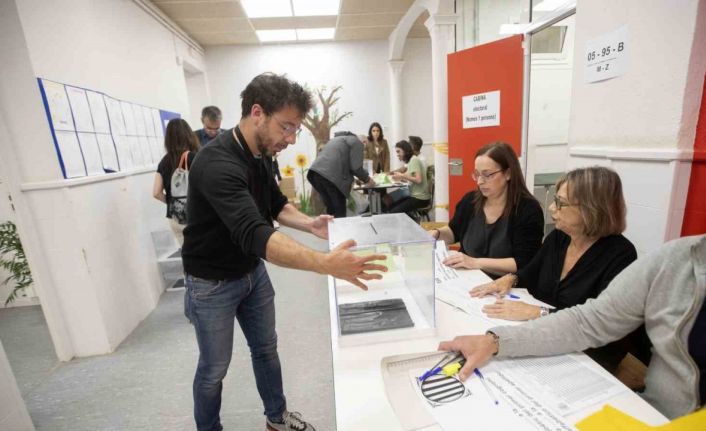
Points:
[578,259]
[419,195]
[664,290]
[499,225]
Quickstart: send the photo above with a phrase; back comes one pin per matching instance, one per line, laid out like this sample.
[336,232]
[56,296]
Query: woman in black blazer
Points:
[500,224]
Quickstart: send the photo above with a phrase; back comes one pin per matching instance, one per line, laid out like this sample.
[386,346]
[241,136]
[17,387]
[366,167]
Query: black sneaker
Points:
[291,421]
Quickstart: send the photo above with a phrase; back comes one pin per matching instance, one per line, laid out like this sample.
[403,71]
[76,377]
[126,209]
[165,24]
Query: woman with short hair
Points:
[500,224]
[578,259]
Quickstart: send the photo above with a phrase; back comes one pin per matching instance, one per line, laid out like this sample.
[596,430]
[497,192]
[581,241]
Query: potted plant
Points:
[13,260]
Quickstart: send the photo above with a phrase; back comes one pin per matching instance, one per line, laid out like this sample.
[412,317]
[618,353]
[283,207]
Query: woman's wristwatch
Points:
[543,311]
[496,340]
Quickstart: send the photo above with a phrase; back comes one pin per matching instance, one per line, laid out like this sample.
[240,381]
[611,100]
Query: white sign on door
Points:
[607,56]
[481,110]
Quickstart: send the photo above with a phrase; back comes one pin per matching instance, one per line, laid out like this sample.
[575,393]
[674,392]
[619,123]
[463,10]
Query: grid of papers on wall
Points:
[96,134]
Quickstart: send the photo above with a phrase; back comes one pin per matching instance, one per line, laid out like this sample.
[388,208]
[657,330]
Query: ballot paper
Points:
[516,409]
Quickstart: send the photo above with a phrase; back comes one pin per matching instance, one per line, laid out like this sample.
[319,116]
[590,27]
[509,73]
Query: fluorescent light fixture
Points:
[315,33]
[276,35]
[512,28]
[316,7]
[267,8]
[548,5]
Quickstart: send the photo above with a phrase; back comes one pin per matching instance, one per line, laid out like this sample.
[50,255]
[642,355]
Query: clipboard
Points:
[401,394]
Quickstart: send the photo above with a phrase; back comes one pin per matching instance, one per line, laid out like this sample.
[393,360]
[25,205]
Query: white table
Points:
[361,403]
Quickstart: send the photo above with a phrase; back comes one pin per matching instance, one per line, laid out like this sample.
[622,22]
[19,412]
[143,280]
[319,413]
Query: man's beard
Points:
[261,147]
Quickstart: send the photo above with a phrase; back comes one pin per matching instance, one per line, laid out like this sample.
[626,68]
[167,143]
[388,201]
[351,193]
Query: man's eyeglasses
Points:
[479,175]
[559,204]
[288,129]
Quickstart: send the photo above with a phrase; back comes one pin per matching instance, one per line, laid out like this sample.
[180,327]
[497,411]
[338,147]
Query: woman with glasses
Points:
[578,259]
[500,224]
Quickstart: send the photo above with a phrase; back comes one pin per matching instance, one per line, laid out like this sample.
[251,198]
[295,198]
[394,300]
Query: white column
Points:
[441,29]
[396,132]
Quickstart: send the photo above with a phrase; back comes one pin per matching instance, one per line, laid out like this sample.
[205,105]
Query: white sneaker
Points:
[291,421]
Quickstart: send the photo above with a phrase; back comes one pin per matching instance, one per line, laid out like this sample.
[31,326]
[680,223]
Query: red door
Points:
[487,80]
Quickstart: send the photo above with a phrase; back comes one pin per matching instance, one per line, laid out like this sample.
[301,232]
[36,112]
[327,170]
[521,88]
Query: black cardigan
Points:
[592,273]
[589,276]
[526,226]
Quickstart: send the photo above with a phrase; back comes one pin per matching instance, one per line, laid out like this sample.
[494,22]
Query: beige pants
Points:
[178,230]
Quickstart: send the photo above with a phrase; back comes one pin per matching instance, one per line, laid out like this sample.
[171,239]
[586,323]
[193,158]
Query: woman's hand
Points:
[499,287]
[460,260]
[511,310]
[477,349]
[397,176]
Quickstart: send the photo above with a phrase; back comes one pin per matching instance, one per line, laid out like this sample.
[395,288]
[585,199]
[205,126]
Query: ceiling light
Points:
[315,33]
[276,35]
[315,7]
[267,8]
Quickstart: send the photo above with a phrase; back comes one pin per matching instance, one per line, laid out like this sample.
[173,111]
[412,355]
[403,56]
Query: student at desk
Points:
[500,224]
[578,259]
[664,291]
[419,195]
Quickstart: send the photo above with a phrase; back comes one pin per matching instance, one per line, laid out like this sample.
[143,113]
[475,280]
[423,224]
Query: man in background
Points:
[211,118]
[332,172]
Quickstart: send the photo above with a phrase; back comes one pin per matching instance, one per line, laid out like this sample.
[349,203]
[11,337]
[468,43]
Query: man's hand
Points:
[343,264]
[319,226]
[477,349]
[499,287]
[511,310]
[460,260]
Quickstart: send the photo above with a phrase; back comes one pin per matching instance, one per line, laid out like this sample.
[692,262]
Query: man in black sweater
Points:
[232,202]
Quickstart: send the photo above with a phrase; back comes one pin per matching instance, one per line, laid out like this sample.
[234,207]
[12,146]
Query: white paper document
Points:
[108,155]
[80,109]
[59,108]
[70,154]
[91,153]
[516,409]
[98,112]
[567,383]
[157,121]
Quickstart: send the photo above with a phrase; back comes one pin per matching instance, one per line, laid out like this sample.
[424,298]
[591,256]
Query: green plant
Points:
[305,204]
[13,259]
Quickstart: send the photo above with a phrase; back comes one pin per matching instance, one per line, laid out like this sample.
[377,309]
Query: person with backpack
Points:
[171,180]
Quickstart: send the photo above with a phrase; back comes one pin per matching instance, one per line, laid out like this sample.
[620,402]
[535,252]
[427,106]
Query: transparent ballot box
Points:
[401,304]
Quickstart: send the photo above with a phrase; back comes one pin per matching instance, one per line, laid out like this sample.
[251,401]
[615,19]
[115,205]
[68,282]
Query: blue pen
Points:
[512,296]
[436,369]
[477,372]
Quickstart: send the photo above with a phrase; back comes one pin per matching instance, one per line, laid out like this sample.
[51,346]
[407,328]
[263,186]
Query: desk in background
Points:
[375,193]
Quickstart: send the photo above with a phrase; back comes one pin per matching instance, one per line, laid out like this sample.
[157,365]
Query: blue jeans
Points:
[212,307]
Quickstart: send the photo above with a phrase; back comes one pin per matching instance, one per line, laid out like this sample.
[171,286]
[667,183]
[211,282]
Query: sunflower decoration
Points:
[288,171]
[302,160]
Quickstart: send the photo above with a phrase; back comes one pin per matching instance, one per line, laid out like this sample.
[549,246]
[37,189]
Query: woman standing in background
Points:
[376,149]
[178,139]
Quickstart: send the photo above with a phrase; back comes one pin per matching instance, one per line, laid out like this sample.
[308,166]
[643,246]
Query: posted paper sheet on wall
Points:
[481,110]
[607,56]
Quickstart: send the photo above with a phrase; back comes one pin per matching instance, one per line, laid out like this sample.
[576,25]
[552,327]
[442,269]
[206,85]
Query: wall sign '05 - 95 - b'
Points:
[607,56]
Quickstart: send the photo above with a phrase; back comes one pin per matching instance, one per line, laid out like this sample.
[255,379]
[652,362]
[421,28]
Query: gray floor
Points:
[146,382]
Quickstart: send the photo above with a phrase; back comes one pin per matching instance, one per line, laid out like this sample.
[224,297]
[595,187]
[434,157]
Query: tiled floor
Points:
[146,383]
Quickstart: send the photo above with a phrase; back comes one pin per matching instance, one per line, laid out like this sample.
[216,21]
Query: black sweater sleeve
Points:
[225,188]
[528,275]
[527,231]
[462,217]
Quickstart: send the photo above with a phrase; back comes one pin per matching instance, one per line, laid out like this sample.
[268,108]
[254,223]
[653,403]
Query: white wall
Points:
[417,94]
[360,67]
[643,122]
[95,235]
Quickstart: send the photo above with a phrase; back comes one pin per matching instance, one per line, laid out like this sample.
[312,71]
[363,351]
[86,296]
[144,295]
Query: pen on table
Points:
[477,372]
[512,296]
[440,365]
